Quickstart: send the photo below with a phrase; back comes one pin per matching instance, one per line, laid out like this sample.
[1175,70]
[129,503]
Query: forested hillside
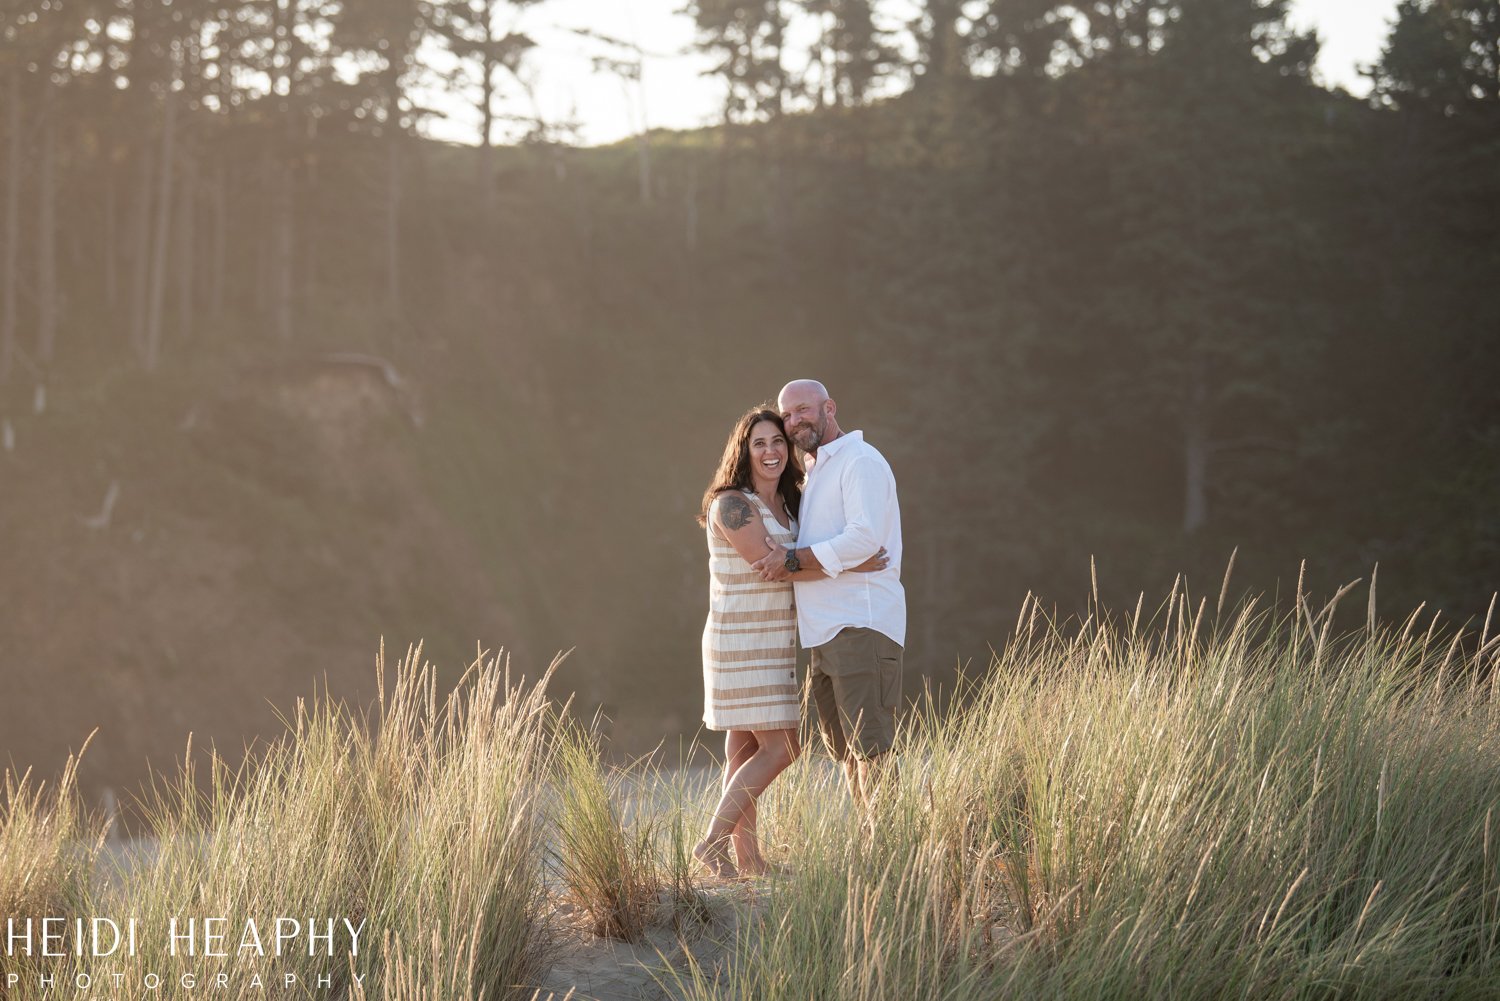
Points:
[279,376]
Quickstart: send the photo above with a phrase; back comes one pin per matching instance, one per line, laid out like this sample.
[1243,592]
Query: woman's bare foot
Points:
[761,867]
[752,865]
[747,856]
[714,856]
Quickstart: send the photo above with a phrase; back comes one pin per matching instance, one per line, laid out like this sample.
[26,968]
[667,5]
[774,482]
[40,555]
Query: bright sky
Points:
[676,94]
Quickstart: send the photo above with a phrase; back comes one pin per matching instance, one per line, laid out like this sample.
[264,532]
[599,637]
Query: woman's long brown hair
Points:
[734,468]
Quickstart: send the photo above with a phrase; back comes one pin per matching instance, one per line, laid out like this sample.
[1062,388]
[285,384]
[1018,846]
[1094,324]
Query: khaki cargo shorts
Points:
[856,682]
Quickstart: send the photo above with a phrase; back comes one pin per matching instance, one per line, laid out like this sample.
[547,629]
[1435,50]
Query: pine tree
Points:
[472,31]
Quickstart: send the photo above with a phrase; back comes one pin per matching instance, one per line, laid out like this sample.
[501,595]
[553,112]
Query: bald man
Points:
[853,624]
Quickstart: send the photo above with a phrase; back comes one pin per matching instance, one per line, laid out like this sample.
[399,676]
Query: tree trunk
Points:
[308,266]
[139,250]
[111,250]
[778,43]
[46,280]
[187,249]
[1196,445]
[9,282]
[777,207]
[487,136]
[822,58]
[281,254]
[393,216]
[725,156]
[690,234]
[221,240]
[163,235]
[945,60]
[643,154]
[265,238]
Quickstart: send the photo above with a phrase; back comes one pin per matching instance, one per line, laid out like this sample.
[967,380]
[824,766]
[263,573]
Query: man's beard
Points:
[808,436]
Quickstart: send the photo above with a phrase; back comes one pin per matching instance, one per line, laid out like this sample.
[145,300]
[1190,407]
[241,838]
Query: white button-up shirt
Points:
[849,511]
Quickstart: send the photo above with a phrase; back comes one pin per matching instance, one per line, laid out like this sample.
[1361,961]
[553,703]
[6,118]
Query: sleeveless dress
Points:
[750,639]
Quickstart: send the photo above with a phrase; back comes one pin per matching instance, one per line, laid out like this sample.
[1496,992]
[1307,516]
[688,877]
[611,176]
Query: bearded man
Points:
[853,624]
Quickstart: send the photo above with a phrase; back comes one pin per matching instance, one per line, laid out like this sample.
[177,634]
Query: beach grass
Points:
[1209,804]
[1183,809]
[49,850]
[607,866]
[420,829]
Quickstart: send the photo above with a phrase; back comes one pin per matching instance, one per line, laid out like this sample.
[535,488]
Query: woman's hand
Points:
[877,562]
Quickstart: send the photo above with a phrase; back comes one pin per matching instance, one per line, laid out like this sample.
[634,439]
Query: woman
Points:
[750,640]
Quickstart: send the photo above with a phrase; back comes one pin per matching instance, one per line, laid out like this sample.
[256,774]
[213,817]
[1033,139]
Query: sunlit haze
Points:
[566,85]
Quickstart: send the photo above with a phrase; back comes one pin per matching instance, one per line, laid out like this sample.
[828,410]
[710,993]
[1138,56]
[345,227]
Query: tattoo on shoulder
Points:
[734,511]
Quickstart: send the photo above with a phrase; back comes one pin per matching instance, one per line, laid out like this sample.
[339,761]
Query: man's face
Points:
[805,413]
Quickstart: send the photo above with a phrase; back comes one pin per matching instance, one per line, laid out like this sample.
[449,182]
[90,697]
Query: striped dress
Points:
[750,640]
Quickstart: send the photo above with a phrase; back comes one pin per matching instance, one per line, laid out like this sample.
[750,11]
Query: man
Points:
[854,624]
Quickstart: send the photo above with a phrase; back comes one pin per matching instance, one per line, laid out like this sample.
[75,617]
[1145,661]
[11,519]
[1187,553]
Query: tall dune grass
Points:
[48,851]
[1168,811]
[608,867]
[421,827]
[624,836]
[1192,807]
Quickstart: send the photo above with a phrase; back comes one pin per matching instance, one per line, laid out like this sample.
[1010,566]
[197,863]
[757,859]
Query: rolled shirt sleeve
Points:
[867,502]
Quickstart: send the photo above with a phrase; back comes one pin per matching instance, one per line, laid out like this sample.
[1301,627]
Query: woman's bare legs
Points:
[774,750]
[739,747]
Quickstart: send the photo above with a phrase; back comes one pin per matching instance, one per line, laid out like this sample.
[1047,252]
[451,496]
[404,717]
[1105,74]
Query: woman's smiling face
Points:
[768,454]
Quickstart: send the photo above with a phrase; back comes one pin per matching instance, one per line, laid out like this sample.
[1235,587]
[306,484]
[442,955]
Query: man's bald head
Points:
[801,388]
[809,414]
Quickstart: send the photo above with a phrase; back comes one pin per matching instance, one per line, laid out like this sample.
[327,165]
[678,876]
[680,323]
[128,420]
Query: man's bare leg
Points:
[852,780]
[875,773]
[873,778]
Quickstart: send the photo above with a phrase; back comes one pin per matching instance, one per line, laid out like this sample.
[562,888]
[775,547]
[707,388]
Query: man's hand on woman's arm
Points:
[772,566]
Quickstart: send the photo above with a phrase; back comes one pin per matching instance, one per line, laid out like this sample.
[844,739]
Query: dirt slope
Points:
[269,525]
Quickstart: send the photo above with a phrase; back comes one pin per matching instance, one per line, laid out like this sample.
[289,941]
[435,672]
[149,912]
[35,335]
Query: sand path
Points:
[586,967]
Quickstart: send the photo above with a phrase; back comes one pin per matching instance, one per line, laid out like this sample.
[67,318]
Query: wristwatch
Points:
[792,564]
